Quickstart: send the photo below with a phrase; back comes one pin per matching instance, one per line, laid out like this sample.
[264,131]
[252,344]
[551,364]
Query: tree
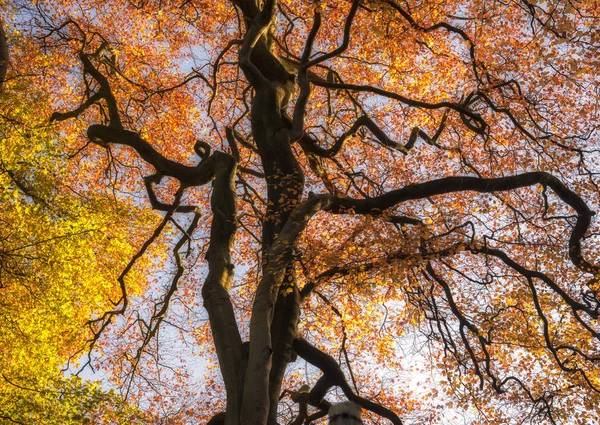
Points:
[58,265]
[369,171]
[67,401]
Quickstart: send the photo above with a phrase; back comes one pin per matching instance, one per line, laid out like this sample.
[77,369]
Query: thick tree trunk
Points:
[253,378]
[276,309]
[285,183]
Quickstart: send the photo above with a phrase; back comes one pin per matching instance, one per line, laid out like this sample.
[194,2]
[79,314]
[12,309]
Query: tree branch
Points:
[310,145]
[345,40]
[158,205]
[260,25]
[297,130]
[463,184]
[92,100]
[478,126]
[217,302]
[334,376]
[189,176]
[111,102]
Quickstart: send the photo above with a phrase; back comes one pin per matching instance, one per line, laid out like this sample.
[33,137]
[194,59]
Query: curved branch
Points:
[300,109]
[260,25]
[334,376]
[161,206]
[92,100]
[305,64]
[202,149]
[190,176]
[478,126]
[309,145]
[463,184]
[111,102]
[345,40]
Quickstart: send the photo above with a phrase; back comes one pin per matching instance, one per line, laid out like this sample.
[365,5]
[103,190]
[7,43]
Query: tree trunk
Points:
[253,383]
[3,56]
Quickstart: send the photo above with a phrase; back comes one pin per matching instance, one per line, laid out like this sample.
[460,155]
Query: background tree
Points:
[376,181]
[61,248]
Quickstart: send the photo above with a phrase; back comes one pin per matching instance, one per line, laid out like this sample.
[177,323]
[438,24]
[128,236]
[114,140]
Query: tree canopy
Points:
[240,212]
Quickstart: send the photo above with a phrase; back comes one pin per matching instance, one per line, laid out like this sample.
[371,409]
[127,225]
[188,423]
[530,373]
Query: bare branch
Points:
[309,145]
[478,126]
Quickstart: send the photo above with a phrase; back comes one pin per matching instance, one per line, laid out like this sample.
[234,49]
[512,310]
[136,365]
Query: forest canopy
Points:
[241,212]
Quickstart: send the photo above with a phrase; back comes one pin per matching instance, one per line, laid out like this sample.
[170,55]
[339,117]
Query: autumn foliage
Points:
[240,212]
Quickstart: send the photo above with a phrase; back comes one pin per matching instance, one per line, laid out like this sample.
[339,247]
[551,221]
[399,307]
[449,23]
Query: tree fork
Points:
[256,404]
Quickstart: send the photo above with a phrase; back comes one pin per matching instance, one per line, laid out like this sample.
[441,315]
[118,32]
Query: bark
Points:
[283,331]
[224,328]
[276,306]
[3,56]
[256,405]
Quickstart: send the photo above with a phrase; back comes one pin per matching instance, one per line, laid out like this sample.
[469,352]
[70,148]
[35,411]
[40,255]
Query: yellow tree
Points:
[352,183]
[60,252]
